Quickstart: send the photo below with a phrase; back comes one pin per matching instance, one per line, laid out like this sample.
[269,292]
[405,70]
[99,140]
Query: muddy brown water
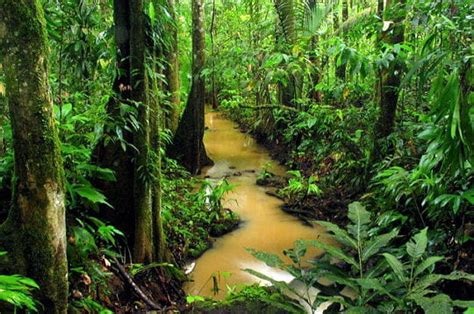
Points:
[264,225]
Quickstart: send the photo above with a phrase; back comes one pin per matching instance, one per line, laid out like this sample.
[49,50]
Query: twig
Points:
[136,289]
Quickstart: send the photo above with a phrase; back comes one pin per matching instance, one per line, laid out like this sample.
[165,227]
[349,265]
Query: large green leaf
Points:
[416,247]
[396,266]
[341,235]
[358,214]
[432,279]
[91,194]
[360,218]
[281,285]
[361,310]
[376,285]
[270,259]
[335,252]
[427,263]
[342,280]
[464,304]
[438,304]
[379,242]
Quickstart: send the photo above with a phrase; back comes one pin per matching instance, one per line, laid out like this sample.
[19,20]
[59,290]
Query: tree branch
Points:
[121,272]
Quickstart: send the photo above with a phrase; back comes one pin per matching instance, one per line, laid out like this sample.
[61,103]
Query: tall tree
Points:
[390,80]
[188,146]
[172,67]
[113,150]
[35,231]
[341,68]
[143,245]
[137,169]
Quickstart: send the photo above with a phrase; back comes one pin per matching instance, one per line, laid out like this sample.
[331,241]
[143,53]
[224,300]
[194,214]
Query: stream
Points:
[264,225]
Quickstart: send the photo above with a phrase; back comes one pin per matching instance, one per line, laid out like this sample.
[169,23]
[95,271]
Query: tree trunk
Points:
[188,146]
[213,51]
[341,69]
[143,248]
[172,70]
[313,58]
[391,77]
[380,7]
[115,154]
[160,250]
[35,230]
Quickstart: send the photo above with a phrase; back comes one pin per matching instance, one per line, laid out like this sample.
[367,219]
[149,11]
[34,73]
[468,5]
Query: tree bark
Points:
[172,70]
[188,146]
[143,247]
[35,230]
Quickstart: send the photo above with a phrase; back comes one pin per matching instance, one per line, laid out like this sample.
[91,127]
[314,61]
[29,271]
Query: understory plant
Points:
[368,272]
[17,290]
[190,217]
[299,187]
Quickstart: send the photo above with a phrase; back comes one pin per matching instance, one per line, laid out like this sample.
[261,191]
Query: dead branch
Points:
[122,273]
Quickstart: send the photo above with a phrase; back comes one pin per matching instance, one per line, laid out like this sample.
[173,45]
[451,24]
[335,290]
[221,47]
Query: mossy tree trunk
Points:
[391,77]
[143,247]
[35,230]
[188,146]
[172,69]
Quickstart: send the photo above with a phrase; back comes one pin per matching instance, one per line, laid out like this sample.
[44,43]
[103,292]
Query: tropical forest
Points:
[237,156]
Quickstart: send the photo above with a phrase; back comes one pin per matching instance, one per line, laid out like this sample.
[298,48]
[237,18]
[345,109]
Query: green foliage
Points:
[17,291]
[88,305]
[382,276]
[299,188]
[91,243]
[190,217]
[265,173]
[214,194]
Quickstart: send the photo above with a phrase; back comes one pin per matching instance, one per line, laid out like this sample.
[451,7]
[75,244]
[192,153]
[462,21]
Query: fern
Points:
[17,291]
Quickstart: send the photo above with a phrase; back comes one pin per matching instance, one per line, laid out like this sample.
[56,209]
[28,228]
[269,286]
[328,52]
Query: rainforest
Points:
[237,156]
